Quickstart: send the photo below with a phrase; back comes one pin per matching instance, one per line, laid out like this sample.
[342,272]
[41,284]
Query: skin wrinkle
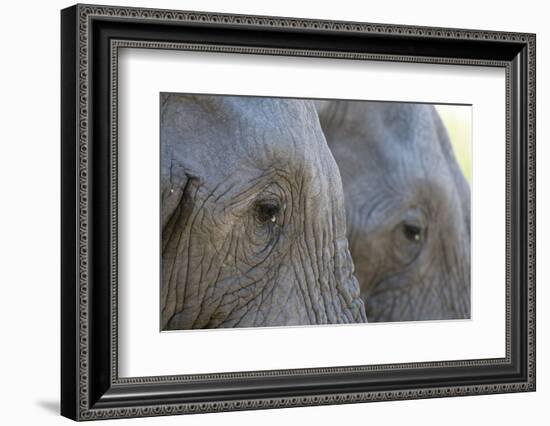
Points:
[419,285]
[182,295]
[165,289]
[172,281]
[339,263]
[445,259]
[217,279]
[304,256]
[212,194]
[362,221]
[326,261]
[334,263]
[211,289]
[290,296]
[402,287]
[308,284]
[279,315]
[348,278]
[429,282]
[264,297]
[245,307]
[325,295]
[178,250]
[168,194]
[206,301]
[182,200]
[262,291]
[301,278]
[316,276]
[244,274]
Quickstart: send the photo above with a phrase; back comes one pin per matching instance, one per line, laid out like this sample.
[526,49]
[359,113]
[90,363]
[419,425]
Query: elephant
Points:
[407,208]
[252,216]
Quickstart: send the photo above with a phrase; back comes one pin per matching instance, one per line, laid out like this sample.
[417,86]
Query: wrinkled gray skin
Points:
[253,220]
[407,207]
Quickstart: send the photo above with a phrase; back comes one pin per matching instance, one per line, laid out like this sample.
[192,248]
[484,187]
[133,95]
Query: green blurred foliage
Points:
[458,121]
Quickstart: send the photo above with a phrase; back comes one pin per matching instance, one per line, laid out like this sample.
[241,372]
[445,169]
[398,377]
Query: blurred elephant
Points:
[407,207]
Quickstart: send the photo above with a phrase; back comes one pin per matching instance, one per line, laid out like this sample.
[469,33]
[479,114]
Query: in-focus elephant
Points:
[407,207]
[253,219]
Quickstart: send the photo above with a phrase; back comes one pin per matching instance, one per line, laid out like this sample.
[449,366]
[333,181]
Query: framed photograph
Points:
[263,212]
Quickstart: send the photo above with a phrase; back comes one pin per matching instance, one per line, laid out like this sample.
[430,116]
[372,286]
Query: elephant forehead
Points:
[396,137]
[411,127]
[219,136]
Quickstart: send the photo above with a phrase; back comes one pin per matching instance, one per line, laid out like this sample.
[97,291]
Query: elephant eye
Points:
[267,211]
[412,232]
[409,236]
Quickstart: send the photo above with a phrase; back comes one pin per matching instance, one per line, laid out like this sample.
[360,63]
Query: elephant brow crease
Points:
[380,200]
[244,195]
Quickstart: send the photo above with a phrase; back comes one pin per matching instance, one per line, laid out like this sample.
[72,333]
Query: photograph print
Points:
[298,212]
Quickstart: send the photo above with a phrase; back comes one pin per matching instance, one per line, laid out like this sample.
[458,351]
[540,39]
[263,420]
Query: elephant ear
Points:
[174,184]
[462,185]
[176,206]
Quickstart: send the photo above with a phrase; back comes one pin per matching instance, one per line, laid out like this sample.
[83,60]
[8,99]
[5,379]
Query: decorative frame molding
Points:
[91,388]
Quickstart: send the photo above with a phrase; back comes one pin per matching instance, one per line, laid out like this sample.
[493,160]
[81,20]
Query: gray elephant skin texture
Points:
[407,207]
[252,215]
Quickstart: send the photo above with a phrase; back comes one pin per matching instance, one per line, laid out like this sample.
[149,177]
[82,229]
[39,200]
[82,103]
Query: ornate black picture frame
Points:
[90,38]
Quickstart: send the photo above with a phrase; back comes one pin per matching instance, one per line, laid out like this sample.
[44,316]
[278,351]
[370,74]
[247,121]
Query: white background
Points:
[29,225]
[146,352]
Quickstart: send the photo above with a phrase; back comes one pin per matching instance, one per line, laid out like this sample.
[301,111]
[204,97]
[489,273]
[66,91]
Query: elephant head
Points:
[407,207]
[253,220]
